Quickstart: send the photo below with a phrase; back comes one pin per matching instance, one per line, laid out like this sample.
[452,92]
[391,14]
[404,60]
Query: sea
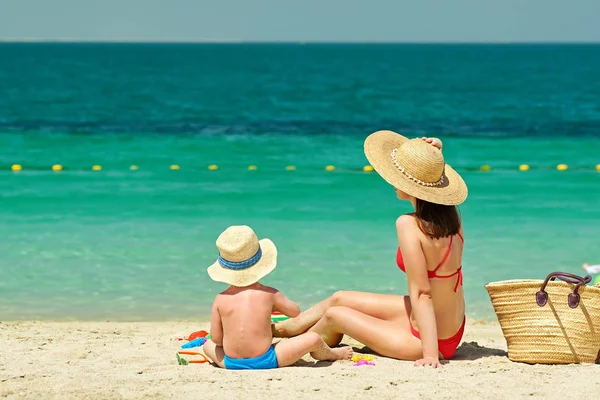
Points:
[120,164]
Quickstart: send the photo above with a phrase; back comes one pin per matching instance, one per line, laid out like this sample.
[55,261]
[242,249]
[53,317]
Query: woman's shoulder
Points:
[407,225]
[406,220]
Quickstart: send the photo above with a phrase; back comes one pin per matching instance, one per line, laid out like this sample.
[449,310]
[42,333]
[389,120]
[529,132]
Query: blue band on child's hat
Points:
[240,265]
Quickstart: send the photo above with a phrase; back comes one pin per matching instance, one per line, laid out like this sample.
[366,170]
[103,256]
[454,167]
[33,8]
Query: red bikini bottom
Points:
[445,346]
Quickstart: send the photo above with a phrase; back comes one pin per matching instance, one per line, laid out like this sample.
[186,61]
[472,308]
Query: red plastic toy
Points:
[195,335]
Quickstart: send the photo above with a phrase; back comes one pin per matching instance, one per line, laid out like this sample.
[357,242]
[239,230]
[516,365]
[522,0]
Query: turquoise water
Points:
[134,245]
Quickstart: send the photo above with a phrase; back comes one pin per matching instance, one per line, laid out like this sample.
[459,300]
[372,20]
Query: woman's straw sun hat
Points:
[415,167]
[243,259]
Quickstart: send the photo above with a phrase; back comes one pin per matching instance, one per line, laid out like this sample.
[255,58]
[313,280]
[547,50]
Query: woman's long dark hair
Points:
[436,220]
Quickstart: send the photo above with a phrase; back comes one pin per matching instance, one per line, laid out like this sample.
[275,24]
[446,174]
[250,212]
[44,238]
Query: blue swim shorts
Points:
[266,361]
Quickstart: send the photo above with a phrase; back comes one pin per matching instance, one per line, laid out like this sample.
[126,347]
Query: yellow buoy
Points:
[134,168]
[96,168]
[368,168]
[523,167]
[330,168]
[290,168]
[213,167]
[16,168]
[562,167]
[175,167]
[598,167]
[57,167]
[252,168]
[485,168]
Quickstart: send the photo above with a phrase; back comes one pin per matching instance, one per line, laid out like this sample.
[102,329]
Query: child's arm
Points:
[285,305]
[216,326]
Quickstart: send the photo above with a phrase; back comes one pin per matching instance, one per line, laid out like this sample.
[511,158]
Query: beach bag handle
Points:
[541,297]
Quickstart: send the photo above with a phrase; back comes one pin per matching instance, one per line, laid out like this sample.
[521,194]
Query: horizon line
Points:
[240,41]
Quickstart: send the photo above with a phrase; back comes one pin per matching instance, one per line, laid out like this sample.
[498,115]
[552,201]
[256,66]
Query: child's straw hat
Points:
[243,259]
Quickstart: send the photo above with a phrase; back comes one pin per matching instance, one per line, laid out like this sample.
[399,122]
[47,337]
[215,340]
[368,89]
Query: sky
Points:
[303,20]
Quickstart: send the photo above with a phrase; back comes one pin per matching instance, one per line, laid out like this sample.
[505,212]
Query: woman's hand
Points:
[429,362]
[435,142]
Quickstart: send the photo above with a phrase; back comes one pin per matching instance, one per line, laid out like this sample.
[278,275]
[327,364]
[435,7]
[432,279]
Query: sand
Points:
[118,360]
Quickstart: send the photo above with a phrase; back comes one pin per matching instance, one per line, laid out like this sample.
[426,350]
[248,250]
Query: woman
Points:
[428,324]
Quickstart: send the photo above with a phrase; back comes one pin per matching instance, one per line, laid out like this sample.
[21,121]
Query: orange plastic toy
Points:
[183,361]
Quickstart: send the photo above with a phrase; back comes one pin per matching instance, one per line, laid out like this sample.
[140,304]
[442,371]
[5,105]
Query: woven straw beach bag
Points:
[549,321]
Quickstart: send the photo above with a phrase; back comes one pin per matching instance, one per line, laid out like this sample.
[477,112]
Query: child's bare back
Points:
[246,317]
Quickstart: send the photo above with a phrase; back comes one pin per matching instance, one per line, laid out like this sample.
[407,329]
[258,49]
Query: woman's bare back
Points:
[446,293]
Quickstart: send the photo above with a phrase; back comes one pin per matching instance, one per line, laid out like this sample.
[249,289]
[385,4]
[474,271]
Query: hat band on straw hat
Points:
[240,265]
[412,178]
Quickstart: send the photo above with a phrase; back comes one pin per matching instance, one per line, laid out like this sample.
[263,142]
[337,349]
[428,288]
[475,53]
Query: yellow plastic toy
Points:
[358,357]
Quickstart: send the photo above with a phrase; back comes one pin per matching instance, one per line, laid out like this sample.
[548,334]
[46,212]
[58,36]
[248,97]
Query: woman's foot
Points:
[344,353]
[326,353]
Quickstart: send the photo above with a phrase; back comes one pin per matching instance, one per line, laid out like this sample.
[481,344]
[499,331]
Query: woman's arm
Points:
[419,289]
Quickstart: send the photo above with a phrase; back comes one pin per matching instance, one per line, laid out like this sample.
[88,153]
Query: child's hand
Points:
[435,142]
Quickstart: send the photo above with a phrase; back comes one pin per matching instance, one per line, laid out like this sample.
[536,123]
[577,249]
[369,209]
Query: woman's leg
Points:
[382,306]
[387,338]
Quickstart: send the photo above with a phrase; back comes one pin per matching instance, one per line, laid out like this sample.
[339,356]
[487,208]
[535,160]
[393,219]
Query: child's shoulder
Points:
[257,287]
[269,289]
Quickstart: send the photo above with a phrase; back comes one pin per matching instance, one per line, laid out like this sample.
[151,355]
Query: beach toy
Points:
[195,335]
[363,357]
[183,361]
[278,317]
[194,343]
[363,362]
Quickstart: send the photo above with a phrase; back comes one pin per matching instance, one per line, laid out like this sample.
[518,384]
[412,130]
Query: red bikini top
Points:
[433,274]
